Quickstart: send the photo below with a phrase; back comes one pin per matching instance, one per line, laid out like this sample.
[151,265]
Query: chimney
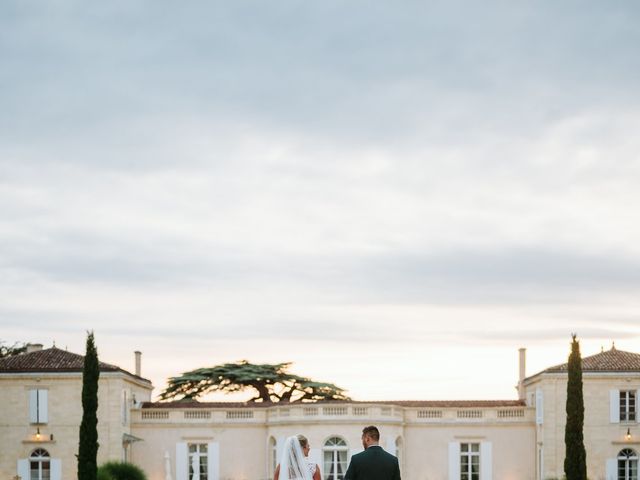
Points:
[34,347]
[523,368]
[138,363]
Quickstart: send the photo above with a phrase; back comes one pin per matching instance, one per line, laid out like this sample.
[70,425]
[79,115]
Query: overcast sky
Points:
[395,196]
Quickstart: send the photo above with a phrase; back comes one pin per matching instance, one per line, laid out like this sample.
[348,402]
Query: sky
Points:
[394,196]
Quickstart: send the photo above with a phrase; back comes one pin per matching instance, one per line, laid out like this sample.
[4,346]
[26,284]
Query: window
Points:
[125,408]
[40,465]
[335,453]
[627,406]
[38,412]
[273,455]
[469,461]
[627,464]
[198,460]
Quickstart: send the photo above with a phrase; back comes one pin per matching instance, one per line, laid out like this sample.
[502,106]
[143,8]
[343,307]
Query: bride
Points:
[294,464]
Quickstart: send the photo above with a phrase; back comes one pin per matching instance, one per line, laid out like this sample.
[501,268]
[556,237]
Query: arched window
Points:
[272,455]
[627,465]
[40,465]
[335,452]
[399,452]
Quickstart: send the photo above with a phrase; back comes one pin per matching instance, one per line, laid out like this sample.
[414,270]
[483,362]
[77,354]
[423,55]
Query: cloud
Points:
[435,174]
[542,336]
[353,74]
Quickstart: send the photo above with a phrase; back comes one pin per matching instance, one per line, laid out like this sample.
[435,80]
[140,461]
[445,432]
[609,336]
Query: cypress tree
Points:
[575,461]
[88,445]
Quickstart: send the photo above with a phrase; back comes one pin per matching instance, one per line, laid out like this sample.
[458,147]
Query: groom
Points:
[374,463]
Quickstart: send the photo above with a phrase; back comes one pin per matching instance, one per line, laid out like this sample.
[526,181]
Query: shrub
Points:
[120,471]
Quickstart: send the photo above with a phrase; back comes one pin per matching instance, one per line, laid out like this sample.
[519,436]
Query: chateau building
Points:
[40,395]
[520,439]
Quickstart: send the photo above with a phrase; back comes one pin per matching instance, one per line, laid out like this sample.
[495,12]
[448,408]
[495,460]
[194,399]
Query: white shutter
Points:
[454,461]
[213,461]
[56,469]
[43,406]
[486,461]
[612,469]
[33,406]
[539,406]
[23,469]
[182,461]
[391,446]
[614,406]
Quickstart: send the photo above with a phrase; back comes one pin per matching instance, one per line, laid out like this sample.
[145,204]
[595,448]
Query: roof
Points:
[613,360]
[400,403]
[53,360]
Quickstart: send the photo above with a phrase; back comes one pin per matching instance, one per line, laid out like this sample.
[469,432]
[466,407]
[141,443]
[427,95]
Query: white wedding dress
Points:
[294,465]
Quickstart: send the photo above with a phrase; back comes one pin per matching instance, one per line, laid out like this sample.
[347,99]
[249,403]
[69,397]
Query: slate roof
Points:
[613,360]
[399,403]
[51,360]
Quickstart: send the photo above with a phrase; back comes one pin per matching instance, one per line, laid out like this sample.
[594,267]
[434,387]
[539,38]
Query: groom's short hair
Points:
[371,431]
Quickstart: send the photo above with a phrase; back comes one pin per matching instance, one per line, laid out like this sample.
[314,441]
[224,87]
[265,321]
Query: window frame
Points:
[203,465]
[42,458]
[469,451]
[627,461]
[627,404]
[338,466]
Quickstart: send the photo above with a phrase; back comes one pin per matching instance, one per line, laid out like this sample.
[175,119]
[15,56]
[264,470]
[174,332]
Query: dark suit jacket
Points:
[373,464]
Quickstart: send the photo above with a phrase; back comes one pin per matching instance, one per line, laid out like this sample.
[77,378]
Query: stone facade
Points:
[519,439]
[53,425]
[605,375]
[421,434]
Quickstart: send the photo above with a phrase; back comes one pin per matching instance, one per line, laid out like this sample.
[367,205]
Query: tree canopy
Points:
[120,471]
[269,382]
[575,462]
[88,443]
[9,350]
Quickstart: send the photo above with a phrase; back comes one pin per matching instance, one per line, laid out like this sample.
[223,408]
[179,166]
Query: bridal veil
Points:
[293,465]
